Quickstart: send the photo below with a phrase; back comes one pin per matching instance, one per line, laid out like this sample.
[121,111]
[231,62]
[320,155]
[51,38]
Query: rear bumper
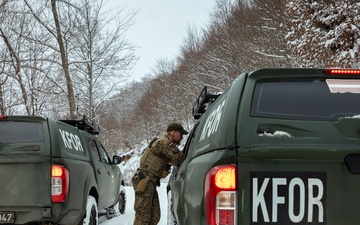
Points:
[29,214]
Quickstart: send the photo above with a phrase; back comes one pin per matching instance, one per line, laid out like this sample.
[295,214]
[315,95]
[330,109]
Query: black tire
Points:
[122,201]
[119,207]
[91,215]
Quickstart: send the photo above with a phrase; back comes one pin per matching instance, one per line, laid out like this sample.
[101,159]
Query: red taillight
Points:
[221,195]
[59,183]
[342,71]
[3,117]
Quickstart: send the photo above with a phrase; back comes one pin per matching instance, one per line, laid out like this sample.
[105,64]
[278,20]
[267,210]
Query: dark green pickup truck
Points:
[55,172]
[278,146]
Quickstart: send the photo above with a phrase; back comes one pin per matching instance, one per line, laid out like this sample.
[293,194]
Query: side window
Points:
[94,150]
[103,154]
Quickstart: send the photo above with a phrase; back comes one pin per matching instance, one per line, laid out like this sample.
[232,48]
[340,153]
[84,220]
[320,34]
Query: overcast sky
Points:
[161,26]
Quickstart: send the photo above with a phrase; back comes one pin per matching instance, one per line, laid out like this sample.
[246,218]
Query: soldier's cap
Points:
[178,127]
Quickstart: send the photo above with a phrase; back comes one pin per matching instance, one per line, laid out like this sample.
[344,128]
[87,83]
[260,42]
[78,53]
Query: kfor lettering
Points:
[301,198]
[212,122]
[71,140]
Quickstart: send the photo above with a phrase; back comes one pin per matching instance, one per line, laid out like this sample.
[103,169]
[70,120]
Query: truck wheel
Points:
[122,201]
[170,217]
[91,216]
[119,207]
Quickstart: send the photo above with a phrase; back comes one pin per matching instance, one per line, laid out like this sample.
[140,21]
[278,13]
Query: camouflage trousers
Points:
[146,206]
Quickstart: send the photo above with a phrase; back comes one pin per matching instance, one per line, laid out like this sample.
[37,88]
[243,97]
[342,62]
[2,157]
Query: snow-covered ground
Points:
[128,217]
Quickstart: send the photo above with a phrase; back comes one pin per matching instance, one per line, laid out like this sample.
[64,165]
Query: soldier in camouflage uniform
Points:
[155,164]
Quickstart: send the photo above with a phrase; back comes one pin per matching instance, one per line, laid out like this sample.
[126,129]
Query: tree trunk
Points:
[64,62]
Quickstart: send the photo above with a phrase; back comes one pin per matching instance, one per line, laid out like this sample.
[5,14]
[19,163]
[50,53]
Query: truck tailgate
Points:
[298,186]
[24,180]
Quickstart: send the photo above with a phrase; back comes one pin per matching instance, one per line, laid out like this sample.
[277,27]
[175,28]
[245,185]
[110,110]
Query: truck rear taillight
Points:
[221,195]
[59,183]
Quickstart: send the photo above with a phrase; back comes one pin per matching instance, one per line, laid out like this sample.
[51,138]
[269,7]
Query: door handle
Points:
[98,171]
[109,173]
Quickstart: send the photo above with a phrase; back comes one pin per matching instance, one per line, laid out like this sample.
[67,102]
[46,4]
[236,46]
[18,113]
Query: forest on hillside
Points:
[59,60]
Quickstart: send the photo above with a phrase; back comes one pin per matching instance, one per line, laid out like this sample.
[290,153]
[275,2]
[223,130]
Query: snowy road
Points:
[128,217]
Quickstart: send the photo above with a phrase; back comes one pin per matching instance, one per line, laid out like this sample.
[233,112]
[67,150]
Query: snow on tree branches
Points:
[324,33]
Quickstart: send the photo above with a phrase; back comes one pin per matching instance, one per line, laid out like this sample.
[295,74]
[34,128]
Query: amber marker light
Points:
[225,178]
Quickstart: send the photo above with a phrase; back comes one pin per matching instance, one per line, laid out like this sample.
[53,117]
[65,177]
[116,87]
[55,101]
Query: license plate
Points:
[7,217]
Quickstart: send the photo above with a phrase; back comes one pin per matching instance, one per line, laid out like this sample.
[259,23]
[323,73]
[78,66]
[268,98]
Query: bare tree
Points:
[119,117]
[16,66]
[88,51]
[20,63]
[59,33]
[102,56]
[3,80]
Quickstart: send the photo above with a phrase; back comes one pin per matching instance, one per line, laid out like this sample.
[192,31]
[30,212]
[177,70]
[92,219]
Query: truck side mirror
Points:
[116,159]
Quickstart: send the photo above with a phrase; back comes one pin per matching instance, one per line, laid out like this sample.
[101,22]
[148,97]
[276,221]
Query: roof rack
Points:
[83,124]
[204,100]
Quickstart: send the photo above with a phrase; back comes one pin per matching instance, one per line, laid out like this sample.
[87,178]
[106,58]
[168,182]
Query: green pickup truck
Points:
[56,172]
[278,146]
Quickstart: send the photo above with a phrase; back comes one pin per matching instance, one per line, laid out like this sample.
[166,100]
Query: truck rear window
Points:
[21,132]
[309,99]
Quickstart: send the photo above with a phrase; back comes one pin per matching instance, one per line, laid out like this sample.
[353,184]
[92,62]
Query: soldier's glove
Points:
[164,173]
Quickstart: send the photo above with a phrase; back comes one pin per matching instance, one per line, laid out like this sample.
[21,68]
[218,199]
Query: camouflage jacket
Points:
[157,156]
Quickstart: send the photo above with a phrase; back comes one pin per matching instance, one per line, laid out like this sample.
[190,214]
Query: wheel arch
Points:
[90,189]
